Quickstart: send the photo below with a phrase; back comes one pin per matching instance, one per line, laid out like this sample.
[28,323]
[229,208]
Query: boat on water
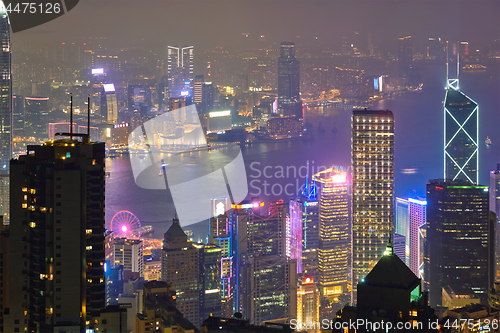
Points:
[163,165]
[487,141]
[474,68]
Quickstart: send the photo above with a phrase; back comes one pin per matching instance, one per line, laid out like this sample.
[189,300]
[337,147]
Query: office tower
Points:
[6,117]
[410,216]
[308,304]
[405,58]
[399,246]
[99,78]
[203,95]
[180,71]
[57,236]
[36,110]
[372,188]
[333,251]
[402,224]
[6,87]
[495,207]
[220,235]
[461,133]
[114,282]
[18,115]
[109,104]
[194,272]
[459,248]
[265,276]
[129,253]
[140,99]
[289,102]
[180,267]
[418,218]
[160,311]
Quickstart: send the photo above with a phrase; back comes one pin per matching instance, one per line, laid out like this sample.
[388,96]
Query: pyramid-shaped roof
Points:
[391,272]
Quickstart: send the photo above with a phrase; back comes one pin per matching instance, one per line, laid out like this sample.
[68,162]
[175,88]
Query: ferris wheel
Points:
[126,224]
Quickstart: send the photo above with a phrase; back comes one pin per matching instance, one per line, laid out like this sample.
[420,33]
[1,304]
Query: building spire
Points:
[175,220]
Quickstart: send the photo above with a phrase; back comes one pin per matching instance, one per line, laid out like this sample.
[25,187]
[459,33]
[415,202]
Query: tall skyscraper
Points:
[372,188]
[57,237]
[459,248]
[333,251]
[405,58]
[180,71]
[265,275]
[495,207]
[461,133]
[109,105]
[194,271]
[308,304]
[289,102]
[410,216]
[203,95]
[129,253]
[6,117]
[6,88]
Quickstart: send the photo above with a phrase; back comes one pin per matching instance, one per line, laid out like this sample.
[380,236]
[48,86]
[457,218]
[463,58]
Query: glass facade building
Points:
[180,71]
[372,188]
[333,252]
[461,136]
[459,247]
[289,102]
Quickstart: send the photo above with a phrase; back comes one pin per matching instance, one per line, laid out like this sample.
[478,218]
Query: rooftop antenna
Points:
[458,61]
[88,117]
[447,70]
[71,117]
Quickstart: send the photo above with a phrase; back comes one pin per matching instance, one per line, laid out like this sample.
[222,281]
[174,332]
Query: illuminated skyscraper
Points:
[6,117]
[308,304]
[459,248]
[129,253]
[405,58]
[410,216]
[263,268]
[461,133]
[372,188]
[495,207]
[180,71]
[109,104]
[6,88]
[289,102]
[333,252]
[57,237]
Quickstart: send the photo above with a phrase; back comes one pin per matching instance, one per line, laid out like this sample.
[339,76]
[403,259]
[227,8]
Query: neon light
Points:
[418,202]
[97,70]
[184,93]
[37,98]
[109,87]
[219,113]
[124,228]
[339,178]
[469,186]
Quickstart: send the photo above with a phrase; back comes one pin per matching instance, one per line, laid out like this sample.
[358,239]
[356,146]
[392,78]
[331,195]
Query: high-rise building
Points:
[180,71]
[129,253]
[36,110]
[57,237]
[6,88]
[459,248]
[372,188]
[495,207]
[405,58]
[19,115]
[410,216]
[194,272]
[114,282]
[289,102]
[399,246]
[308,305]
[109,104]
[265,275]
[418,218]
[203,95]
[333,250]
[220,235]
[402,224]
[461,134]
[6,116]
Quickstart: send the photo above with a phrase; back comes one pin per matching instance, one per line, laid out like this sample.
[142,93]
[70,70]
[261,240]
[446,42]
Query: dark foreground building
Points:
[459,251]
[230,325]
[389,299]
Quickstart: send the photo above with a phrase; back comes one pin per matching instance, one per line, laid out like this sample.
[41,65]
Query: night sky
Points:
[209,23]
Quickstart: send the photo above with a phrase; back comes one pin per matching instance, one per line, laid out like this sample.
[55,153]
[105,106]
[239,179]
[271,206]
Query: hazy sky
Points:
[221,22]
